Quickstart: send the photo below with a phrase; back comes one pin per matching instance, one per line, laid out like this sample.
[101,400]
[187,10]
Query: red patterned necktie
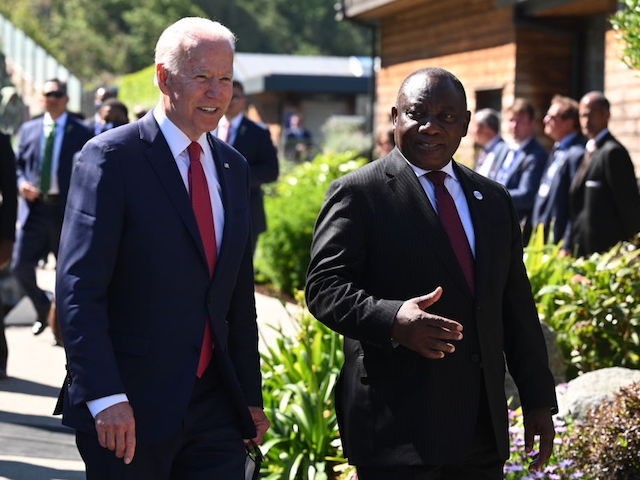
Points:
[201,203]
[450,220]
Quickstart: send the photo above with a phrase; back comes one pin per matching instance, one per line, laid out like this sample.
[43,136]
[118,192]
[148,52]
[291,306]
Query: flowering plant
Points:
[558,468]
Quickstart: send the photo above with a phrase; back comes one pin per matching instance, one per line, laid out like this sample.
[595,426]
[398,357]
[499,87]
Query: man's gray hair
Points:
[176,40]
[488,117]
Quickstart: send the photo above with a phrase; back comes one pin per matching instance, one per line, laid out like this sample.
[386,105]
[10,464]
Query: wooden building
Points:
[502,49]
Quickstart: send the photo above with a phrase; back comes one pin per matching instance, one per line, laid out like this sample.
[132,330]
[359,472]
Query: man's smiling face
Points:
[430,119]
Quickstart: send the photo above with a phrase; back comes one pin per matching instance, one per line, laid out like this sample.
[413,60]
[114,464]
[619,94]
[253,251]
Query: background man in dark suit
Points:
[521,166]
[486,136]
[604,198]
[8,189]
[46,147]
[421,394]
[551,206]
[253,141]
[155,281]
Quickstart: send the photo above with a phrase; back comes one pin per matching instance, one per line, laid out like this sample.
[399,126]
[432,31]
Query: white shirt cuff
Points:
[100,404]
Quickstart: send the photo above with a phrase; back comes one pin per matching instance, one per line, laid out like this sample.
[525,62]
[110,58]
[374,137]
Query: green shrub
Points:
[592,303]
[299,375]
[607,443]
[138,89]
[292,206]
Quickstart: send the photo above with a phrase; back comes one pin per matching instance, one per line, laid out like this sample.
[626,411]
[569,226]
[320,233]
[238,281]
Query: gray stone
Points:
[589,390]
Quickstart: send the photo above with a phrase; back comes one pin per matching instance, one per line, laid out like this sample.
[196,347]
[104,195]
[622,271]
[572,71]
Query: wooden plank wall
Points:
[472,39]
[622,88]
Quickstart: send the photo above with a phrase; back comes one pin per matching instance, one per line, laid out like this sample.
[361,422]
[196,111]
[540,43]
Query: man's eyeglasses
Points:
[54,94]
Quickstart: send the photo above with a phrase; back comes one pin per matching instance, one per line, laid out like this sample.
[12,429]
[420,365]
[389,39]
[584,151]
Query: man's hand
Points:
[28,191]
[426,334]
[117,430]
[6,249]
[261,422]
[539,422]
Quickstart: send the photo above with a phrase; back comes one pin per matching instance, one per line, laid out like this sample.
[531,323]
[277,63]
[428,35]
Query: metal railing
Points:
[29,65]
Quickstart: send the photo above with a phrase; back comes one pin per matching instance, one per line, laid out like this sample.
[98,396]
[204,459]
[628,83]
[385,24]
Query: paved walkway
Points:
[33,443]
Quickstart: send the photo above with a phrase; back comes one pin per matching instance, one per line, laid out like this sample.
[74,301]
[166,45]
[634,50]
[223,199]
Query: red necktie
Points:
[450,220]
[201,203]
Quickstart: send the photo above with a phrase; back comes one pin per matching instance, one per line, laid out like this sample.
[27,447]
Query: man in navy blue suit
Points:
[521,166]
[155,281]
[44,161]
[551,206]
[253,141]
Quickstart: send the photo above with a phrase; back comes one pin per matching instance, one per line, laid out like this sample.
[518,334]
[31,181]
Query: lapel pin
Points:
[477,194]
[226,165]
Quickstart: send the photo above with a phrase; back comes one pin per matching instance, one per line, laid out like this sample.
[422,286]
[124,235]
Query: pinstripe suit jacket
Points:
[377,243]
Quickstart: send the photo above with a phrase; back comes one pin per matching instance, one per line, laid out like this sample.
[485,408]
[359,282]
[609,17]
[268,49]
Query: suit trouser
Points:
[481,462]
[209,445]
[4,349]
[35,239]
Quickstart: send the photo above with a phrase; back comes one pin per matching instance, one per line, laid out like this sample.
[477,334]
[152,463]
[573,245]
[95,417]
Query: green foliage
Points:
[96,40]
[281,26]
[607,443]
[592,303]
[282,255]
[100,40]
[138,88]
[627,22]
[299,375]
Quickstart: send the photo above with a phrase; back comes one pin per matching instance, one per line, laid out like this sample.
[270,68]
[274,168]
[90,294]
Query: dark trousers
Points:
[481,462]
[209,445]
[4,350]
[38,236]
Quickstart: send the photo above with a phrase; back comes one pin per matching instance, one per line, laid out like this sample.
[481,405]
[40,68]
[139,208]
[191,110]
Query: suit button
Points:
[475,358]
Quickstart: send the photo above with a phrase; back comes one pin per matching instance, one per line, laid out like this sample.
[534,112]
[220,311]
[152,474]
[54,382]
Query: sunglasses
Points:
[54,94]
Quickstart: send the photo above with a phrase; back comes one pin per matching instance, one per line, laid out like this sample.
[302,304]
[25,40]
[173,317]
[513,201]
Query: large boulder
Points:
[590,389]
[556,365]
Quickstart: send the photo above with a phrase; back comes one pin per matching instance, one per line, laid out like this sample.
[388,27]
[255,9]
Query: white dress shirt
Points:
[452,184]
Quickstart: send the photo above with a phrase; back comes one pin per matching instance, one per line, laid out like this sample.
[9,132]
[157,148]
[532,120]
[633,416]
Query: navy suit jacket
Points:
[604,202]
[378,242]
[522,178]
[254,143]
[29,155]
[8,189]
[551,207]
[133,285]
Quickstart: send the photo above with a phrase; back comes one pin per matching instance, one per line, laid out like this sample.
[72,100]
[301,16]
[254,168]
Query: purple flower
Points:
[513,468]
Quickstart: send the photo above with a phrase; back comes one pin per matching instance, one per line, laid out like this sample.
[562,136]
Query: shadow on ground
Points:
[41,422]
[12,470]
[27,387]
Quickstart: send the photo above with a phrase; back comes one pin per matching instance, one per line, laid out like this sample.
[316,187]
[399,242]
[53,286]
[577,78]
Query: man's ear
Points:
[394,115]
[162,76]
[467,120]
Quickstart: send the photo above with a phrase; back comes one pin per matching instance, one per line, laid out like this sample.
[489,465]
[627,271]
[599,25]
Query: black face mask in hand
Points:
[253,462]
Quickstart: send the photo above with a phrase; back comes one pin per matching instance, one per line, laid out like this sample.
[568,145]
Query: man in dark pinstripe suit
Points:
[427,335]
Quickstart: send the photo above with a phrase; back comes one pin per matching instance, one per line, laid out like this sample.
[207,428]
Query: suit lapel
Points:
[406,186]
[480,212]
[225,177]
[162,162]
